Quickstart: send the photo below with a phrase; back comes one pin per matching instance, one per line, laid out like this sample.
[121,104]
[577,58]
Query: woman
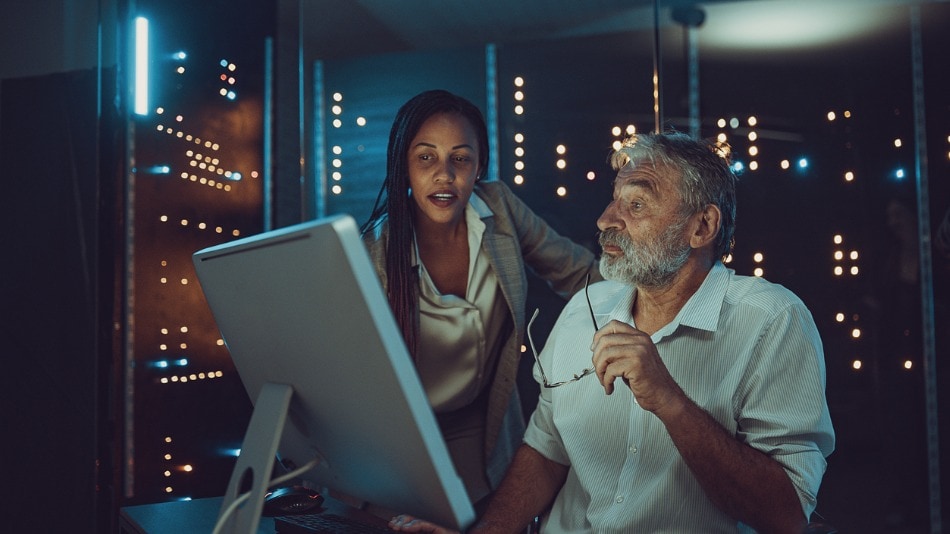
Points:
[453,267]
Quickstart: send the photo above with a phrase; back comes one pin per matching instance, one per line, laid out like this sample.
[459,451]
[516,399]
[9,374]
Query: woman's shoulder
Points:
[374,236]
[500,198]
[374,239]
[493,190]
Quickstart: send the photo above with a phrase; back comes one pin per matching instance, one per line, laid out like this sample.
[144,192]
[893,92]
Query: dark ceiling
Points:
[340,28]
[345,28]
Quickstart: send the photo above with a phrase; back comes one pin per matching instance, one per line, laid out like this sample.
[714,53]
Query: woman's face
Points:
[443,167]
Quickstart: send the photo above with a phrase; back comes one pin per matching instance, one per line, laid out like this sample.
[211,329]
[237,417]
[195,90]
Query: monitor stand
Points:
[256,461]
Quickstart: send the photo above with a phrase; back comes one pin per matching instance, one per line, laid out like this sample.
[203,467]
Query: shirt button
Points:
[620,499]
[633,449]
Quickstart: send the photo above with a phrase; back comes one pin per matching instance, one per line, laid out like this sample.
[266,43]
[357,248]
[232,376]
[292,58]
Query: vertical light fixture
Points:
[657,68]
[141,66]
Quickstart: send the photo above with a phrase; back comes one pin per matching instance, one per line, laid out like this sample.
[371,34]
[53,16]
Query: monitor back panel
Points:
[303,306]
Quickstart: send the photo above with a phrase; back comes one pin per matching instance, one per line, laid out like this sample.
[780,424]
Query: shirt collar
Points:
[480,206]
[702,309]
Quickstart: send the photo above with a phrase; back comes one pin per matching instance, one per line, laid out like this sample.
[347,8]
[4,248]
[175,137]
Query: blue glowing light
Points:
[899,174]
[181,362]
[224,63]
[161,364]
[180,55]
[802,163]
[230,452]
[236,176]
[738,167]
[231,95]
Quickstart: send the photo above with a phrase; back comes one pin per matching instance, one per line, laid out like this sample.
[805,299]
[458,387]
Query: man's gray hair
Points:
[705,170]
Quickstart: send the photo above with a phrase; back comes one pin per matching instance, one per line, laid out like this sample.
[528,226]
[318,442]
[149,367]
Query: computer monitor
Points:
[315,343]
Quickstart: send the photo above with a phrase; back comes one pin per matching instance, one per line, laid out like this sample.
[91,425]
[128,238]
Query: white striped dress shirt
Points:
[745,350]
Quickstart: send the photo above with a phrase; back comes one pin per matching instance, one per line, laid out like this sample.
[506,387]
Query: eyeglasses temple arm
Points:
[589,307]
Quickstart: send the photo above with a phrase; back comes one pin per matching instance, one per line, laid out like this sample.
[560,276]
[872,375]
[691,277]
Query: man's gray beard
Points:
[652,264]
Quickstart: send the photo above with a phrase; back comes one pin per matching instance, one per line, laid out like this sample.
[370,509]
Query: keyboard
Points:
[326,522]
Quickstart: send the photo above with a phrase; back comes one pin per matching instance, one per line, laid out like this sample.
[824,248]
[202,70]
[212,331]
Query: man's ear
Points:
[707,223]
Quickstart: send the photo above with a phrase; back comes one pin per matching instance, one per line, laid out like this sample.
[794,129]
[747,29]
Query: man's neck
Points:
[655,307]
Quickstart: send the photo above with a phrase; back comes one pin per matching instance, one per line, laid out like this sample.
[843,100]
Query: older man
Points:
[705,410]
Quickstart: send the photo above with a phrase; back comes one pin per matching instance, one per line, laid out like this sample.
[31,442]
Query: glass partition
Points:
[195,178]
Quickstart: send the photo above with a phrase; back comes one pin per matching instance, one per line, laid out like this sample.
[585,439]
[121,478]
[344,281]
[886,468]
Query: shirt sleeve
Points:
[781,405]
[542,434]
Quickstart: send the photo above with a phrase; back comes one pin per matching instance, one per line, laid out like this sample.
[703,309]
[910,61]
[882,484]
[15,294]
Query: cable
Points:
[223,518]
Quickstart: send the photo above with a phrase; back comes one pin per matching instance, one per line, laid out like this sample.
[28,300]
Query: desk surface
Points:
[199,516]
[178,517]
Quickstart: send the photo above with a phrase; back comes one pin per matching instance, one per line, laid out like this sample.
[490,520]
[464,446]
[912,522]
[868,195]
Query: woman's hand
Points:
[408,523]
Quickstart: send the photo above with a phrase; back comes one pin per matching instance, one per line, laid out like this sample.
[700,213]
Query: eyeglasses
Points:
[578,376]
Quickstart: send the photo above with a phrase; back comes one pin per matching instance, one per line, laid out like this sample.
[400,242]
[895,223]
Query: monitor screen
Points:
[302,308]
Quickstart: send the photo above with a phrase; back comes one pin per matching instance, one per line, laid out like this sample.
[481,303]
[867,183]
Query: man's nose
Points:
[608,219]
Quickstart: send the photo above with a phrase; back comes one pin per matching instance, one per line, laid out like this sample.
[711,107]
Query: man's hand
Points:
[743,482]
[622,351]
[408,523]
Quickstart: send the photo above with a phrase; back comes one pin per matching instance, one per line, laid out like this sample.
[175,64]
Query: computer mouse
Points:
[291,500]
